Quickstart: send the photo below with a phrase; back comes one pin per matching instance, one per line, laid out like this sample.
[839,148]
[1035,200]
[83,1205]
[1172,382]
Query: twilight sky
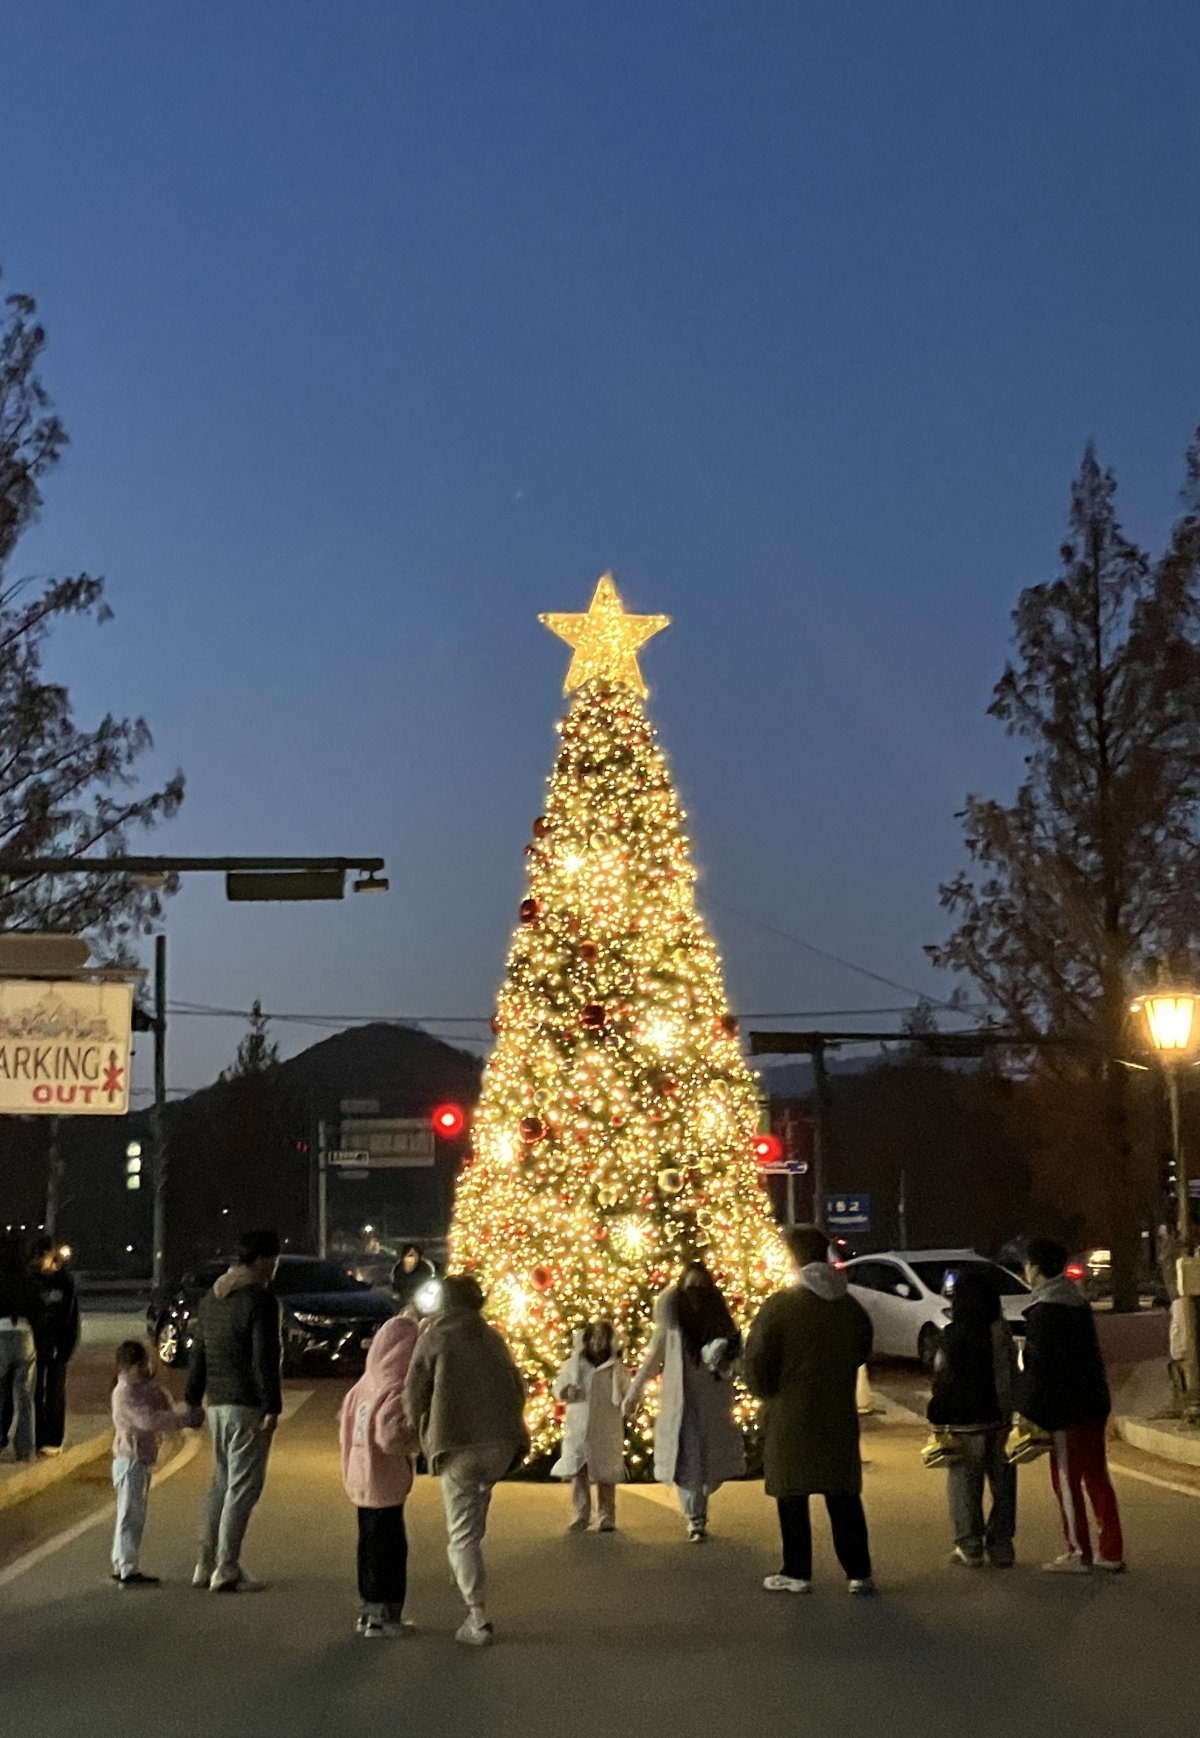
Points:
[380,328]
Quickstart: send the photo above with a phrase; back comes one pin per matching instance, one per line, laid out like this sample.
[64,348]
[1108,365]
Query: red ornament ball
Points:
[594,1016]
[589,951]
[542,1277]
[533,1129]
[541,827]
[669,1087]
[530,910]
[495,1022]
[729,1023]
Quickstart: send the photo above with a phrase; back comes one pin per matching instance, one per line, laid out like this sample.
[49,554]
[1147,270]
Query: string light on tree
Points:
[614,1138]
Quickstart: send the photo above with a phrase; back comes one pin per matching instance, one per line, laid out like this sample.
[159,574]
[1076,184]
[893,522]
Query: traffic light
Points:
[133,1165]
[768,1149]
[448,1120]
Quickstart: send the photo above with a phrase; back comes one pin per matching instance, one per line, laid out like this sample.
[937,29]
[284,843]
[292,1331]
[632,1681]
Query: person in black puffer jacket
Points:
[973,1389]
[235,1363]
[1064,1390]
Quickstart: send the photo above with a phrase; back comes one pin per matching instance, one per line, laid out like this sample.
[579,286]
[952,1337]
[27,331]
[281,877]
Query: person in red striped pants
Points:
[1064,1390]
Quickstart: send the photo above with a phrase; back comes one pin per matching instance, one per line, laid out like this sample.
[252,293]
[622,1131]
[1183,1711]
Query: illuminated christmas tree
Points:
[615,1130]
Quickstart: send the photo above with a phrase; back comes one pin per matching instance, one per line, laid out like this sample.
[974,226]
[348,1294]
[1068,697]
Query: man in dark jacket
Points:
[803,1358]
[57,1339]
[235,1362]
[1064,1390]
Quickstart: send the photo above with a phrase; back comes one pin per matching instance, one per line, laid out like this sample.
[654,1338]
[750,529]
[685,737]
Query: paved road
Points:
[637,1633]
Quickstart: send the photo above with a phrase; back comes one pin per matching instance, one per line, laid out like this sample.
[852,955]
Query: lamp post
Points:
[1170,1018]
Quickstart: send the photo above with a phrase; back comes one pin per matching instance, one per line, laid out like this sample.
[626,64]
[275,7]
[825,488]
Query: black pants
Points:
[50,1401]
[383,1559]
[849,1525]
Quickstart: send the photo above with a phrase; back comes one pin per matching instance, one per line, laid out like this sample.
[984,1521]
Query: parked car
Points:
[907,1296]
[329,1316]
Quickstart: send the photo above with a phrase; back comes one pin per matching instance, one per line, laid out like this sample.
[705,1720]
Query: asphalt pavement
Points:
[636,1632]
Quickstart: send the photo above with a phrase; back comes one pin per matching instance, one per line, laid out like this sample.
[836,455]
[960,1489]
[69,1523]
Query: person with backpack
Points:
[1064,1391]
[974,1383]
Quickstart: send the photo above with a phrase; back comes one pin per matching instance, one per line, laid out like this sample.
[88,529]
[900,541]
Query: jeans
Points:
[18,1366]
[468,1476]
[1079,1463]
[693,1500]
[240,1451]
[581,1496]
[849,1525]
[983,1460]
[131,1480]
[382,1563]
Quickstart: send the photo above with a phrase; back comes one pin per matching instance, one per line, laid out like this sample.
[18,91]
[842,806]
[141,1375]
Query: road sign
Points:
[390,1143]
[848,1212]
[360,1107]
[348,1156]
[784,1168]
[64,1047]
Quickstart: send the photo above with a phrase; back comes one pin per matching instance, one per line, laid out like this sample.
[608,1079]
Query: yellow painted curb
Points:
[28,1481]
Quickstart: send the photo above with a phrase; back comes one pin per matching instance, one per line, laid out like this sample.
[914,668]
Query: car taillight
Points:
[1075,1272]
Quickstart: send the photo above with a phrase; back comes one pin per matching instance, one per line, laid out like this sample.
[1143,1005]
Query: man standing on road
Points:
[235,1363]
[465,1396]
[1064,1390]
[57,1339]
[803,1356]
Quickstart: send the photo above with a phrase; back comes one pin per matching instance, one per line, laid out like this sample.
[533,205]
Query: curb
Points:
[1166,1441]
[18,1487]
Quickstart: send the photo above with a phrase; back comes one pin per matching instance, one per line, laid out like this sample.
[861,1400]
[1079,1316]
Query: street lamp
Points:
[1171,1020]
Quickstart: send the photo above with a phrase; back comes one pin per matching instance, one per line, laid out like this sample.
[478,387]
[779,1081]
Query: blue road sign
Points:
[848,1212]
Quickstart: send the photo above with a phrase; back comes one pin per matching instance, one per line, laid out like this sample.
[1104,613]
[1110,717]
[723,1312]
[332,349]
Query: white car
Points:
[907,1296]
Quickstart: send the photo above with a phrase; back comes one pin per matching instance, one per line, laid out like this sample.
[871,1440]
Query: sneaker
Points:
[361,1622]
[786,1584]
[48,1453]
[1070,1563]
[697,1532]
[233,1581]
[135,1578]
[475,1632]
[999,1560]
[202,1574]
[1111,1565]
[607,1526]
[864,1587]
[579,1525]
[963,1559]
[374,1630]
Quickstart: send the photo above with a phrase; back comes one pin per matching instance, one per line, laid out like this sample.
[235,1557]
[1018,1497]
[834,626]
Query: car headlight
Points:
[308,1320]
[429,1297]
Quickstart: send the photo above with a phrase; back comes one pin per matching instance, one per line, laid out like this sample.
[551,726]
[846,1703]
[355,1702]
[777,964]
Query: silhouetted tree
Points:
[1093,866]
[256,1053]
[64,790]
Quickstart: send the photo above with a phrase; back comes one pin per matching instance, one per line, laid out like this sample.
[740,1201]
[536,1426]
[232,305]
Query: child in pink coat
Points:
[142,1412]
[377,1471]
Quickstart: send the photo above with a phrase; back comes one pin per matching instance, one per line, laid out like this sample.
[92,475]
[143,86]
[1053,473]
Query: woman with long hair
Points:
[694,1347]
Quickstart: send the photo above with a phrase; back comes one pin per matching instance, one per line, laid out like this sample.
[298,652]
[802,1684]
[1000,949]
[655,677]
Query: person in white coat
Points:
[694,1347]
[593,1384]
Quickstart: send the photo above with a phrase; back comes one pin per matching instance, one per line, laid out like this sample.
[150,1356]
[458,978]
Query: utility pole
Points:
[54,1178]
[902,1209]
[322,1194]
[158,1121]
[822,1100]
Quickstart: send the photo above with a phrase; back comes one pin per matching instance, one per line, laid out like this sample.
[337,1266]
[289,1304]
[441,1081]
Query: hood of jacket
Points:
[827,1283]
[390,1352]
[235,1278]
[1059,1290]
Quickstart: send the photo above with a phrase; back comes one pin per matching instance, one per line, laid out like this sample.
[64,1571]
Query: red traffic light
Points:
[768,1149]
[448,1120]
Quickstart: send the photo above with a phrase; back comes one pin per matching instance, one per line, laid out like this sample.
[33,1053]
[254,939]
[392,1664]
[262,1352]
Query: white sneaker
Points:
[374,1630]
[786,1584]
[475,1632]
[607,1526]
[697,1532]
[202,1575]
[1111,1565]
[1070,1563]
[865,1587]
[234,1581]
[966,1559]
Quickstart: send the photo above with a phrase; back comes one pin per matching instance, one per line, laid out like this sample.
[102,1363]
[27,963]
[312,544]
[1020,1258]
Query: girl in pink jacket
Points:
[142,1412]
[377,1471]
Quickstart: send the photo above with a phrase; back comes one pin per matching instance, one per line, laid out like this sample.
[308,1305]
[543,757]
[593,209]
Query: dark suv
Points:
[329,1317]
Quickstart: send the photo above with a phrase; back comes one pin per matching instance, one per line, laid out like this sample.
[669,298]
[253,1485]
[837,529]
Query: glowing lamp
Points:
[768,1149]
[448,1120]
[1169,1019]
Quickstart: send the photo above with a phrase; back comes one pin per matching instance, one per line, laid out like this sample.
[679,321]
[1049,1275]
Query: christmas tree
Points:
[615,1129]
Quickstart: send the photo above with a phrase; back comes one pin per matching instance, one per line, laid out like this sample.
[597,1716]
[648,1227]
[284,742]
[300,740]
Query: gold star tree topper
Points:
[605,640]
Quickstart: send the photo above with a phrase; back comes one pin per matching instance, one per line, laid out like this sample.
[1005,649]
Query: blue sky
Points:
[381,328]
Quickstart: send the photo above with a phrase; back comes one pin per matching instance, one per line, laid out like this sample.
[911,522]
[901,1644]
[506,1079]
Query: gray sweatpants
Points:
[468,1476]
[240,1451]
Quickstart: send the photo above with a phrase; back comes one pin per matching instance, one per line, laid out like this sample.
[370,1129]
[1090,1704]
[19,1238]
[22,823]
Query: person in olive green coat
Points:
[802,1359]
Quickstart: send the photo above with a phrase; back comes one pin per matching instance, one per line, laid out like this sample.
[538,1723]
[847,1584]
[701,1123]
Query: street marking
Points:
[1149,1478]
[292,1402]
